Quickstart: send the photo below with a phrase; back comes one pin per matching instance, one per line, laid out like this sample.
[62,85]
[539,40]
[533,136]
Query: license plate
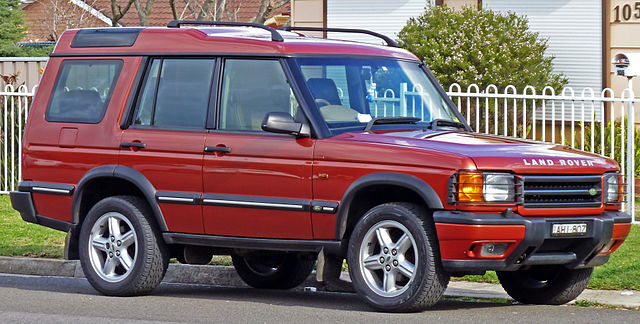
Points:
[569,229]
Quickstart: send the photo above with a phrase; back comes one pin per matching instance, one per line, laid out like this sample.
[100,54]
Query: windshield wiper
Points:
[434,124]
[391,120]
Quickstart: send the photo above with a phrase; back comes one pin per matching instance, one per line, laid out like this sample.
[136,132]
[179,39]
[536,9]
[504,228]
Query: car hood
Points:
[490,152]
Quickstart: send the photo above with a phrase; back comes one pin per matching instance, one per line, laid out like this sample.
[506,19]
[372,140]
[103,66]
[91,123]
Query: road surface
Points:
[32,299]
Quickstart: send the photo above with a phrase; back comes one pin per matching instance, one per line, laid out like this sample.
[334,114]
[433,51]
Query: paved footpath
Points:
[226,276]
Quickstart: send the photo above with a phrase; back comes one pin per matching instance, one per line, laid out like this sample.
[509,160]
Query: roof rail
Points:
[389,41]
[275,36]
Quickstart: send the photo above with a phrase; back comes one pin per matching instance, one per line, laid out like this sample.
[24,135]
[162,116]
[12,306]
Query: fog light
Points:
[493,249]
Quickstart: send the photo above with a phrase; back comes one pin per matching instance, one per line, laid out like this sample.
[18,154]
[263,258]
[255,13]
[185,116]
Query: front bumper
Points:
[530,240]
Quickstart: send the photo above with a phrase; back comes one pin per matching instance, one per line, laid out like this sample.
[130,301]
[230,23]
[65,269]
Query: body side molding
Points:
[252,243]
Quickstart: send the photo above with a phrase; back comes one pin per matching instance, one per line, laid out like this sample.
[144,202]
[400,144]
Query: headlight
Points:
[499,187]
[613,185]
[475,186]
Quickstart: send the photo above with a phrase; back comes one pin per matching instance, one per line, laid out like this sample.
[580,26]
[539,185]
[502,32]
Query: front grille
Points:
[561,191]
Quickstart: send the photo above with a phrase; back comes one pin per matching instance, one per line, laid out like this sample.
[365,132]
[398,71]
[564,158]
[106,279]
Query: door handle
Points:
[221,149]
[137,145]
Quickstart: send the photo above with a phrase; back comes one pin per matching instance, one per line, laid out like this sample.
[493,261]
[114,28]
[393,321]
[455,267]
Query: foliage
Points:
[12,29]
[617,148]
[480,46]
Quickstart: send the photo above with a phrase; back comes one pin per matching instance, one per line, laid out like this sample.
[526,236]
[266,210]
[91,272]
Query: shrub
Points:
[617,149]
[480,46]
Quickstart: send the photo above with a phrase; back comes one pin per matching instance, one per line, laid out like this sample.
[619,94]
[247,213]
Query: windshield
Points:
[351,92]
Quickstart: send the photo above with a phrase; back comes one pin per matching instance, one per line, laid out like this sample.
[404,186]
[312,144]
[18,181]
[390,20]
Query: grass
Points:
[591,303]
[19,238]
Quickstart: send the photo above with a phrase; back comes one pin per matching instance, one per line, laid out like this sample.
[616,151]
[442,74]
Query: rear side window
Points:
[176,94]
[82,91]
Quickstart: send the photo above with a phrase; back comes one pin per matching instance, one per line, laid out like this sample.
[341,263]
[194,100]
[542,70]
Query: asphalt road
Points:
[29,299]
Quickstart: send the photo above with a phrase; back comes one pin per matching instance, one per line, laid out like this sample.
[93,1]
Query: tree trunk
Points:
[143,12]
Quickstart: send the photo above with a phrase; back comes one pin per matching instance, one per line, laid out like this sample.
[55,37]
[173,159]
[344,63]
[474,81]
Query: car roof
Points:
[209,40]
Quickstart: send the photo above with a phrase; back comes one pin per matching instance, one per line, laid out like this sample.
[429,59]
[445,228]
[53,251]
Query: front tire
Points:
[273,270]
[121,252]
[545,285]
[394,259]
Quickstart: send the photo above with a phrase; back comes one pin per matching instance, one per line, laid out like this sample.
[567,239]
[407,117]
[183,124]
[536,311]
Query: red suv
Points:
[150,143]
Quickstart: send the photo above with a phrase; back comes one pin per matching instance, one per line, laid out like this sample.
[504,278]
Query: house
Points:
[47,19]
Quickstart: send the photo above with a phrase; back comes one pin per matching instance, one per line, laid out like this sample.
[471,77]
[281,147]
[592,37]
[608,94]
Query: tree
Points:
[224,9]
[143,11]
[12,28]
[117,12]
[482,47]
[266,8]
[60,15]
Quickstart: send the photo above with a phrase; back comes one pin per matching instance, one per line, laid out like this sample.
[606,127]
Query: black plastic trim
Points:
[288,204]
[390,42]
[56,224]
[410,182]
[23,203]
[253,243]
[214,96]
[133,144]
[125,173]
[49,188]
[177,197]
[105,37]
[220,149]
[275,36]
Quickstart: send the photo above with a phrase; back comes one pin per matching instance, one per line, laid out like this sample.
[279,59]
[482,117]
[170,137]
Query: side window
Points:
[250,90]
[176,93]
[82,90]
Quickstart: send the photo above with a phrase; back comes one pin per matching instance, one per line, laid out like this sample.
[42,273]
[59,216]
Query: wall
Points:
[622,37]
[459,4]
[39,17]
[29,68]
[308,13]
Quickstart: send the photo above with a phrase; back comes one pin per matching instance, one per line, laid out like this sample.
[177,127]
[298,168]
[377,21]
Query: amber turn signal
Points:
[470,186]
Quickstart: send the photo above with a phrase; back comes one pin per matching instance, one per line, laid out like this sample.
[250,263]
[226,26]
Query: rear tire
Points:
[273,270]
[545,285]
[121,251]
[394,259]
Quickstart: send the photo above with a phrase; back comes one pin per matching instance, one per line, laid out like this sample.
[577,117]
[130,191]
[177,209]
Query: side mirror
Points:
[281,122]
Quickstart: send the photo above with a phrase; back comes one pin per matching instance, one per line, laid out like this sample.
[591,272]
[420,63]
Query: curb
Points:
[226,276]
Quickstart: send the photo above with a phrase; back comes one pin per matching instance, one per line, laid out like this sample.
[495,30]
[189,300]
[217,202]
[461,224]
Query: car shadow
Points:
[288,298]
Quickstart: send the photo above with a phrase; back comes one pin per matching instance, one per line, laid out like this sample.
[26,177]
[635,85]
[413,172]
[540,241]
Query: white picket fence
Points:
[566,118]
[576,120]
[15,107]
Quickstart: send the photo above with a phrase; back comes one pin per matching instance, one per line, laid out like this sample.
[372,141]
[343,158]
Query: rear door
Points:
[256,184]
[165,140]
